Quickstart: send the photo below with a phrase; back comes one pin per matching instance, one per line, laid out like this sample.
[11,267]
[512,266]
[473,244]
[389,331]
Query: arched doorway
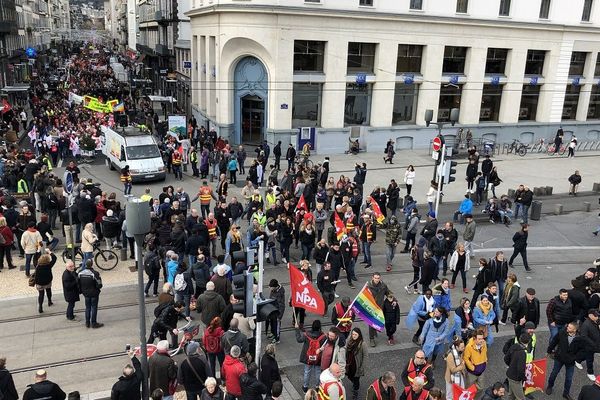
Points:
[250,100]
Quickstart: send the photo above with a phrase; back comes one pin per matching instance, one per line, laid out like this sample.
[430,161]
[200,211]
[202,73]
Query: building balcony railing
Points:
[163,50]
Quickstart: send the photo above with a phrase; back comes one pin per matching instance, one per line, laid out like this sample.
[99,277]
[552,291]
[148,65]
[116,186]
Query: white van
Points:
[130,146]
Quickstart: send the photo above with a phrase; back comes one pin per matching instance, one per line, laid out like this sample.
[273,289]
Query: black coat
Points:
[7,385]
[269,371]
[516,359]
[43,273]
[520,240]
[252,388]
[568,353]
[90,282]
[589,392]
[128,387]
[70,286]
[46,390]
[188,378]
[86,209]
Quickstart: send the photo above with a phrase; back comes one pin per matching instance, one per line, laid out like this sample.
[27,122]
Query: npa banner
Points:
[535,376]
[464,394]
[303,292]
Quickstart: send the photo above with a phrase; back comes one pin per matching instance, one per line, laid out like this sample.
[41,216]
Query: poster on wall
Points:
[177,125]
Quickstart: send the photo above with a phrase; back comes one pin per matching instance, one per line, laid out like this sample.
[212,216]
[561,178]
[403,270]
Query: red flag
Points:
[464,394]
[535,376]
[340,228]
[5,106]
[379,217]
[301,203]
[303,293]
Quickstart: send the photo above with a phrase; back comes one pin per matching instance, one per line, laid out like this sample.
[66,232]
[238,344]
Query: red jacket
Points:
[8,235]
[231,371]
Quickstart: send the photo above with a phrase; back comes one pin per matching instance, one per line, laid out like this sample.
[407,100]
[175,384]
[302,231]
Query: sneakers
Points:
[578,365]
[407,290]
[416,291]
[591,377]
[528,269]
[336,295]
[502,323]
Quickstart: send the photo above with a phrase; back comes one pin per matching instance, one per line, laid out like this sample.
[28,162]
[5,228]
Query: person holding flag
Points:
[377,289]
[342,316]
[379,216]
[368,235]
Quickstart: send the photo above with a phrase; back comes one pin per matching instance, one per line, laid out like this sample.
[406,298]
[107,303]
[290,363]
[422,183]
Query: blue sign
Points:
[576,81]
[30,51]
[409,79]
[533,81]
[187,64]
[454,79]
[284,106]
[68,182]
[361,79]
[495,80]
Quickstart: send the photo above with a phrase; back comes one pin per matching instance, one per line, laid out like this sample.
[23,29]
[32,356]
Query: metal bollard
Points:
[549,190]
[558,209]
[587,206]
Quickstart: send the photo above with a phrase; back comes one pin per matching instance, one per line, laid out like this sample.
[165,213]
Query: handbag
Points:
[31,280]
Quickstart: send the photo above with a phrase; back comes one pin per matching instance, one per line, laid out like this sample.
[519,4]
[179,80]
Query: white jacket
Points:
[409,177]
[454,261]
[431,195]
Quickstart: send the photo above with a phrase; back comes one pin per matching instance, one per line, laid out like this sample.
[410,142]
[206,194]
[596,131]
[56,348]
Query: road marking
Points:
[543,248]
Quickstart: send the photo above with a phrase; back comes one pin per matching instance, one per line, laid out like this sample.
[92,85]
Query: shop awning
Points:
[16,88]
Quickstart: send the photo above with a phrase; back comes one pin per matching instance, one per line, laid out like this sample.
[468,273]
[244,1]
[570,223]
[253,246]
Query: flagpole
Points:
[351,304]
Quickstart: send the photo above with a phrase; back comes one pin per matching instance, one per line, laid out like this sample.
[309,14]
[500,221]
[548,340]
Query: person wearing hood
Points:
[193,371]
[162,369]
[233,337]
[393,235]
[510,298]
[494,392]
[483,317]
[312,340]
[330,385]
[231,371]
[43,388]
[434,334]
[128,385]
[516,359]
[278,294]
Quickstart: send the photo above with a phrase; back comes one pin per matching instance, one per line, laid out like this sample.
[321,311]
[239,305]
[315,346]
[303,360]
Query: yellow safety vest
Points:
[125,178]
[48,163]
[205,195]
[271,198]
[22,186]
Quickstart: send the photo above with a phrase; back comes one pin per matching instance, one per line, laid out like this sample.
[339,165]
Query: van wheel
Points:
[109,164]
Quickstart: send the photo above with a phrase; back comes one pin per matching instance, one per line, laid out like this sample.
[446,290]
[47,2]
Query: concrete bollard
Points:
[537,191]
[549,190]
[511,193]
[542,190]
[596,187]
[123,255]
[558,209]
[587,206]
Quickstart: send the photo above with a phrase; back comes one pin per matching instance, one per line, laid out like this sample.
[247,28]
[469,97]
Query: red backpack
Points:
[212,340]
[312,357]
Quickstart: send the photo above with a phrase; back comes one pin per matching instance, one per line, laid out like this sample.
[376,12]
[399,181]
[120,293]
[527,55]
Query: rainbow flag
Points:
[365,306]
[119,107]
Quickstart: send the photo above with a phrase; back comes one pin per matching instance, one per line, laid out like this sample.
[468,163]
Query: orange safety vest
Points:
[377,390]
[369,232]
[212,228]
[423,396]
[349,225]
[176,159]
[413,373]
[344,326]
[205,195]
[125,177]
[324,388]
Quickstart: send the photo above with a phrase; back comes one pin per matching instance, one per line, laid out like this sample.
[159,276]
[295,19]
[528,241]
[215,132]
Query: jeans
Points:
[185,298]
[306,251]
[212,359]
[366,246]
[390,250]
[505,214]
[88,255]
[430,204]
[28,259]
[569,369]
[458,217]
[410,240]
[152,279]
[469,248]
[52,245]
[440,265]
[554,330]
[91,310]
[177,172]
[127,188]
[314,370]
[70,309]
[523,209]
[350,271]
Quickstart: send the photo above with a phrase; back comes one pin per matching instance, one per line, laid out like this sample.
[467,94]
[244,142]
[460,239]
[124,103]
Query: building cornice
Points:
[387,16]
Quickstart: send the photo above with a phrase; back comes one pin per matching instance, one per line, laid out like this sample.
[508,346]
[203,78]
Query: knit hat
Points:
[529,325]
[192,348]
[273,283]
[162,346]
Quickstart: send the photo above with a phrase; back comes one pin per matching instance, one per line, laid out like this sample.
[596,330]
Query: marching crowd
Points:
[299,212]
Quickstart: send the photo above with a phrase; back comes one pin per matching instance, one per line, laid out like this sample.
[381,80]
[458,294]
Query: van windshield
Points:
[142,152]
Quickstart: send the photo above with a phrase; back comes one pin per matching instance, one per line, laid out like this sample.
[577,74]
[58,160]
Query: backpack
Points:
[160,308]
[212,343]
[180,284]
[52,201]
[312,357]
[149,263]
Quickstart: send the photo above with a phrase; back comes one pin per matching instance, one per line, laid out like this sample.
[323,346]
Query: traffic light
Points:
[243,291]
[264,309]
[449,171]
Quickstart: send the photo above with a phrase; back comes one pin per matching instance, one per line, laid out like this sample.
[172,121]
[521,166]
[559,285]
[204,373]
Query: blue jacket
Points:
[479,319]
[172,271]
[432,336]
[466,206]
[417,310]
[455,327]
[442,299]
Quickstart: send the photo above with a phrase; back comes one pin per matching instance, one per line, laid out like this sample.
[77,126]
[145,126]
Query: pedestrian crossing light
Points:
[243,291]
[449,171]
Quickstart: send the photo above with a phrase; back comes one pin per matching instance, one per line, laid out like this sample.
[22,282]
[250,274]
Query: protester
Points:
[43,388]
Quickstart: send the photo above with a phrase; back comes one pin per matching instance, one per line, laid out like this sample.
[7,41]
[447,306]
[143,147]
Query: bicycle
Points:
[552,147]
[518,147]
[104,259]
[305,161]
